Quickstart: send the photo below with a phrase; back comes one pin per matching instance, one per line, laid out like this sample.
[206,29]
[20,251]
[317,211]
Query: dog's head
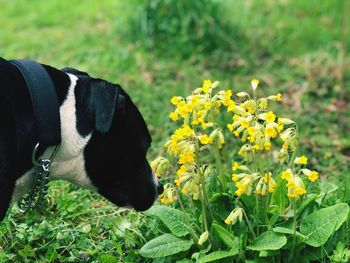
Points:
[115,156]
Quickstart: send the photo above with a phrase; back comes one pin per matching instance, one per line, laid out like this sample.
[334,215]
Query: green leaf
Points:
[268,241]
[227,237]
[279,198]
[184,260]
[341,253]
[216,255]
[108,259]
[307,201]
[285,230]
[320,225]
[165,245]
[27,252]
[172,218]
[268,253]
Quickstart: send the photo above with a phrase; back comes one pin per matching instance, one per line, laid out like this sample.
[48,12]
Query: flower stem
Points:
[204,212]
[249,224]
[192,232]
[221,175]
[294,226]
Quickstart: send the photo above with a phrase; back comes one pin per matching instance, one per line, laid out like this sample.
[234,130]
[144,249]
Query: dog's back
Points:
[7,143]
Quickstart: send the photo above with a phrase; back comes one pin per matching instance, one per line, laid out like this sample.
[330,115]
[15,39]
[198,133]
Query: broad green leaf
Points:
[268,241]
[108,259]
[279,198]
[268,253]
[185,260]
[165,245]
[200,253]
[216,255]
[320,225]
[226,236]
[172,218]
[308,200]
[285,230]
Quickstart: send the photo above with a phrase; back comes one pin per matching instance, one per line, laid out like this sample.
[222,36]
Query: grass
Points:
[298,47]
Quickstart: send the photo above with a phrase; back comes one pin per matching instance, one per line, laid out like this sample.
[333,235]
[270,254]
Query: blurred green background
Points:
[160,48]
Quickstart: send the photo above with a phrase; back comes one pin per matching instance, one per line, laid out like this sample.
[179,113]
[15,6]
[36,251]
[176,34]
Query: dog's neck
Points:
[69,161]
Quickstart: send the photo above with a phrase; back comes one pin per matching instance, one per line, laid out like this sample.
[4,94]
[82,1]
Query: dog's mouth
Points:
[135,199]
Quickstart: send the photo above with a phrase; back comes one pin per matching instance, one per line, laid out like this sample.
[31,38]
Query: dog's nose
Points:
[160,188]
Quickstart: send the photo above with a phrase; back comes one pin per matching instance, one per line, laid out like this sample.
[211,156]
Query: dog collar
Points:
[47,123]
[44,101]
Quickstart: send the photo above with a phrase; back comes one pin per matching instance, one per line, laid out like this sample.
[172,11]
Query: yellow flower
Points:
[195,122]
[244,183]
[160,165]
[244,123]
[271,183]
[230,127]
[175,100]
[271,132]
[205,139]
[236,166]
[207,84]
[234,177]
[301,160]
[312,175]
[186,157]
[270,117]
[265,184]
[181,171]
[234,216]
[194,100]
[267,146]
[174,116]
[295,187]
[250,106]
[254,83]
[279,97]
[231,106]
[263,104]
[241,188]
[226,100]
[235,117]
[168,195]
[183,109]
[192,188]
[295,184]
[280,128]
[207,105]
[287,175]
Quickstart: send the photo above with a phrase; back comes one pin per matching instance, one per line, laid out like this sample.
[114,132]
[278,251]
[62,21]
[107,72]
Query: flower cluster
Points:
[168,196]
[246,181]
[253,122]
[295,183]
[198,131]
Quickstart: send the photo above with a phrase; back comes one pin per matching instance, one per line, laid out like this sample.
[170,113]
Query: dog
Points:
[104,139]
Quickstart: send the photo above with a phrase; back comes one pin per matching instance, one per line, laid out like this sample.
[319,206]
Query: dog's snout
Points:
[160,188]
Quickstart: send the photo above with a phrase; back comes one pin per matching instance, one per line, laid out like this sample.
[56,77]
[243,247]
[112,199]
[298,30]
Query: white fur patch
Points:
[69,163]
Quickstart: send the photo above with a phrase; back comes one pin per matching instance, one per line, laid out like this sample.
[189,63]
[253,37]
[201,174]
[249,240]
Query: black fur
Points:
[115,157]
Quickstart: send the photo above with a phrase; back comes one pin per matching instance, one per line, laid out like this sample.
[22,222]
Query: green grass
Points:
[296,47]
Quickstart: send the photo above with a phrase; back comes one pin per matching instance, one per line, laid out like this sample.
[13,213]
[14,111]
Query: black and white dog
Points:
[104,139]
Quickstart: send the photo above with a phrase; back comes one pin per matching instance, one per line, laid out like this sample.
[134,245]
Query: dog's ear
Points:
[107,99]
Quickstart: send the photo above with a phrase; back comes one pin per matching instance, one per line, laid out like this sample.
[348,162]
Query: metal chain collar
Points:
[35,198]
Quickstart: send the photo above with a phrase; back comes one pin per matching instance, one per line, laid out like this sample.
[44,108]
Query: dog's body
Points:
[104,139]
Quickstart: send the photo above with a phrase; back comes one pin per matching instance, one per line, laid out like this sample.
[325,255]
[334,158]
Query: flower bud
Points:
[203,237]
